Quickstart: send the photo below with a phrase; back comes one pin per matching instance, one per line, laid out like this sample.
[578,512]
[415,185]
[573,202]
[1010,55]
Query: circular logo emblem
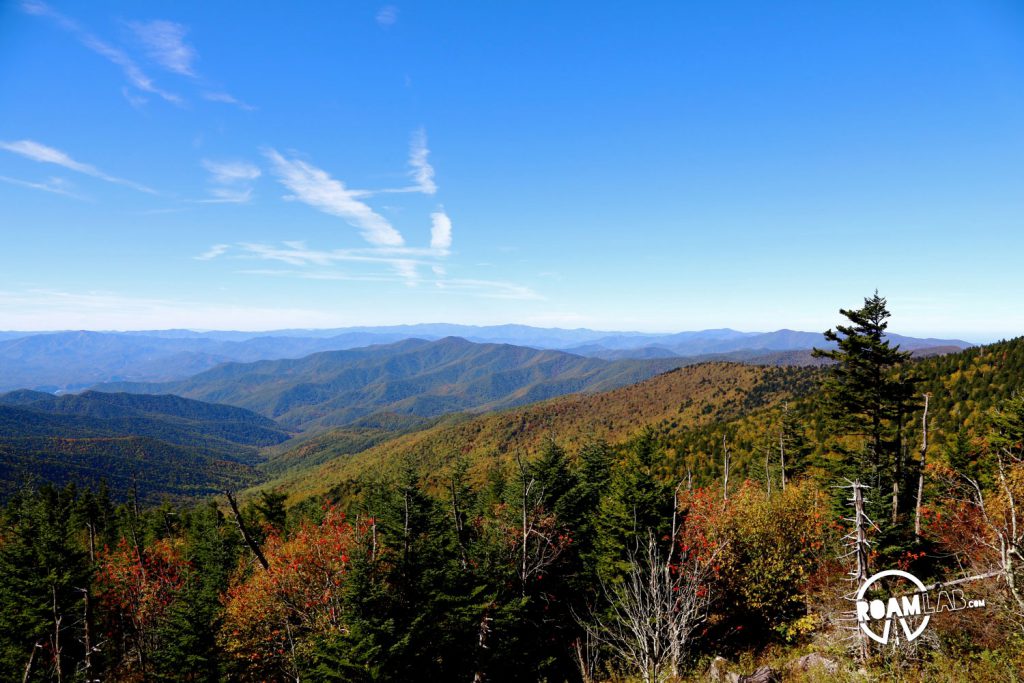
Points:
[895,608]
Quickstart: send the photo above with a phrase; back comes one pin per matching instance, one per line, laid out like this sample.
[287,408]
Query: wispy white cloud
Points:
[227,98]
[48,155]
[407,270]
[409,265]
[440,231]
[231,181]
[53,185]
[422,171]
[387,16]
[315,187]
[491,289]
[487,289]
[134,98]
[403,261]
[131,71]
[48,309]
[227,172]
[164,42]
[213,252]
[296,253]
[228,195]
[327,275]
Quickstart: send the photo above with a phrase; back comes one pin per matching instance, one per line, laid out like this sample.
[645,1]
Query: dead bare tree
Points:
[246,536]
[1006,529]
[655,610]
[725,468]
[55,645]
[859,550]
[27,675]
[920,474]
[87,642]
[782,443]
[539,546]
[588,656]
[458,516]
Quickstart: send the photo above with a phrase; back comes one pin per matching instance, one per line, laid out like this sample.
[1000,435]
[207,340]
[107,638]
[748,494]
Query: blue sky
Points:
[664,166]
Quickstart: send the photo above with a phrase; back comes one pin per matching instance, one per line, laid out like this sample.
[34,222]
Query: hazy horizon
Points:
[641,332]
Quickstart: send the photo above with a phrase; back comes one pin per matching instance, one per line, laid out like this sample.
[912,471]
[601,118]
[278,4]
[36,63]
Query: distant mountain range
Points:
[159,445]
[414,377]
[71,361]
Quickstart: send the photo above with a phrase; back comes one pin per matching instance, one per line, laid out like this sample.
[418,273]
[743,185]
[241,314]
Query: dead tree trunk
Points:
[91,529]
[859,545]
[31,661]
[134,526]
[58,618]
[920,474]
[87,634]
[483,643]
[782,444]
[249,540]
[725,467]
[458,522]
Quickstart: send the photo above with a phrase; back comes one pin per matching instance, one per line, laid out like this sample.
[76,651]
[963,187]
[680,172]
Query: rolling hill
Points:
[163,445]
[690,405]
[413,378]
[688,396]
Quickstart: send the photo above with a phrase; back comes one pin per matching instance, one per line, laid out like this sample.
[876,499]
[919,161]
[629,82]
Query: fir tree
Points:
[867,396]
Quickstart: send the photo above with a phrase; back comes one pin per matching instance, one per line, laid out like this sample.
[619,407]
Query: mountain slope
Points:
[69,361]
[166,445]
[412,377]
[690,396]
[154,469]
[228,430]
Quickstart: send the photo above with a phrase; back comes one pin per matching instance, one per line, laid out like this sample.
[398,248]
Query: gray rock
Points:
[718,672]
[811,662]
[765,674]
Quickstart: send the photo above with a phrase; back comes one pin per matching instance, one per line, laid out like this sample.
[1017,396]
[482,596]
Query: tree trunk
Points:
[725,458]
[457,521]
[92,541]
[31,662]
[57,619]
[782,456]
[920,474]
[249,540]
[483,636]
[87,632]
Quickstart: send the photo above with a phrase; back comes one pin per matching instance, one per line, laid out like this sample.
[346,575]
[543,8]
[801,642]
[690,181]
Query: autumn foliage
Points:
[269,614]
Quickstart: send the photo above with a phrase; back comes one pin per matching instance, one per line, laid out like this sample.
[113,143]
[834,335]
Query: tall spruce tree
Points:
[868,399]
[637,502]
[43,578]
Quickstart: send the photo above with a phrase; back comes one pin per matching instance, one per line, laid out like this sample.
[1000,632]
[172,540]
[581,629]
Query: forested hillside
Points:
[141,444]
[690,396]
[412,377]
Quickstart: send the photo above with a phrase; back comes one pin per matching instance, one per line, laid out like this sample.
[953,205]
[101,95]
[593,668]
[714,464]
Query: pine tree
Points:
[43,576]
[637,502]
[867,396]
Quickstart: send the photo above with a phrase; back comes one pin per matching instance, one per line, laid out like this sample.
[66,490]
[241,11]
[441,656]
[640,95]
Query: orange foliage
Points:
[269,614]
